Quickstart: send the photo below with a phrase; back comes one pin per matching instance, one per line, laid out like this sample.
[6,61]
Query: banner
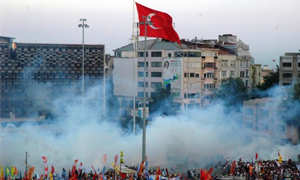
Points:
[46,166]
[172,75]
[30,173]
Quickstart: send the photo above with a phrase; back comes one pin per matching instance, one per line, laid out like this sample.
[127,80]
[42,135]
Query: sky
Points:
[269,27]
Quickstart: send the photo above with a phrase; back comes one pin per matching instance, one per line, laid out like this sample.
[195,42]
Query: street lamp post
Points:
[82,25]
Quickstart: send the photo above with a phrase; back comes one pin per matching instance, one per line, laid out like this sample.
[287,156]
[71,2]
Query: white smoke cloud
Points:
[196,138]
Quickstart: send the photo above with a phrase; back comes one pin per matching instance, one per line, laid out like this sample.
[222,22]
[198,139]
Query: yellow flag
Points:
[1,173]
[12,169]
[50,176]
[280,159]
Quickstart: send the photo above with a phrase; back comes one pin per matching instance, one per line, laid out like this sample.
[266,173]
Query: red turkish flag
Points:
[162,24]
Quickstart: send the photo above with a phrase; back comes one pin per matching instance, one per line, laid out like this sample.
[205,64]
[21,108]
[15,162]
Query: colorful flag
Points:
[63,173]
[280,159]
[168,176]
[1,173]
[233,165]
[116,159]
[30,173]
[256,156]
[158,173]
[52,170]
[74,167]
[160,26]
[7,172]
[141,169]
[45,166]
[12,168]
[16,170]
[50,176]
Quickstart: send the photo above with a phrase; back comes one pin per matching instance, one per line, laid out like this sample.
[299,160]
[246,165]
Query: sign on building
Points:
[172,75]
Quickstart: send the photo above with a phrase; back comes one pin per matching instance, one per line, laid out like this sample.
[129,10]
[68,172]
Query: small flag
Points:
[116,159]
[256,156]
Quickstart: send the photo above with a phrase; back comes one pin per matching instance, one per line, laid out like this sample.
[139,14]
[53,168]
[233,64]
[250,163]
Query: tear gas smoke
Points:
[193,139]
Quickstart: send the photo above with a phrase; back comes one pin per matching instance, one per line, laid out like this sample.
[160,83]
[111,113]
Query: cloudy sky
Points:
[270,27]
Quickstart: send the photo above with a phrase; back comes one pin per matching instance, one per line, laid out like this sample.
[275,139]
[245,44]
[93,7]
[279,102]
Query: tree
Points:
[162,102]
[270,80]
[232,92]
[296,92]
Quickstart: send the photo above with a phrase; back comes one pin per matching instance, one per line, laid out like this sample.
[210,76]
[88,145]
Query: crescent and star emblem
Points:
[149,19]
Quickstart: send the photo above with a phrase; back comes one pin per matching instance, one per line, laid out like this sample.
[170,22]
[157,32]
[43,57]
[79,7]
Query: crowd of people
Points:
[256,170]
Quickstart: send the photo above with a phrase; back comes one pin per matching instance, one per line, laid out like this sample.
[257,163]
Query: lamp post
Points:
[83,25]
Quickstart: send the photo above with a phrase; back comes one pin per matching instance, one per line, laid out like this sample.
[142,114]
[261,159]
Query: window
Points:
[156,54]
[194,54]
[141,74]
[193,95]
[197,75]
[155,84]
[232,64]
[156,64]
[169,55]
[141,54]
[209,75]
[192,74]
[141,94]
[185,74]
[232,73]
[287,75]
[178,54]
[224,74]
[209,86]
[287,64]
[298,64]
[141,84]
[242,73]
[208,64]
[224,63]
[156,74]
[141,64]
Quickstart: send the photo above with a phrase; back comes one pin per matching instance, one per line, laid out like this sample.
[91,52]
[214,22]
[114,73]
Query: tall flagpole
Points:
[144,101]
[134,67]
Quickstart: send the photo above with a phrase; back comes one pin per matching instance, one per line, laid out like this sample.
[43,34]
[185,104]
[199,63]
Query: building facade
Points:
[265,116]
[203,65]
[24,64]
[289,69]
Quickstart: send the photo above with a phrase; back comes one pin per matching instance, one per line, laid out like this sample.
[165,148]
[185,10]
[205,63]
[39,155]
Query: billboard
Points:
[172,75]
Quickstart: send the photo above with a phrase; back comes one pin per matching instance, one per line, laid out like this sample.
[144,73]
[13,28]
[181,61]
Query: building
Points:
[24,64]
[266,117]
[255,75]
[289,69]
[241,50]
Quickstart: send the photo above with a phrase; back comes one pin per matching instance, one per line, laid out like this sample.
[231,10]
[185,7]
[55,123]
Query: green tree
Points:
[162,102]
[232,92]
[270,80]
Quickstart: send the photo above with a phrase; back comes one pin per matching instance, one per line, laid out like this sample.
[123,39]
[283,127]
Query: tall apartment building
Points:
[23,64]
[202,64]
[289,69]
[243,55]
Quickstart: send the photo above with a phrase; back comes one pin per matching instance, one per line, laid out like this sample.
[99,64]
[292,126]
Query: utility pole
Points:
[83,25]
